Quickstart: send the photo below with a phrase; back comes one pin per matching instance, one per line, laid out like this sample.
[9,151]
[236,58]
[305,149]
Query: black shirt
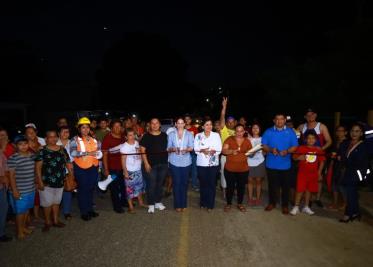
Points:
[155,144]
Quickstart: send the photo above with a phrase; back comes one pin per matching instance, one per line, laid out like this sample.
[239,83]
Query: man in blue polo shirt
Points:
[279,142]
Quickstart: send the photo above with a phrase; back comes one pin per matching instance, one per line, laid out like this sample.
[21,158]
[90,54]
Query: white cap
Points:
[30,125]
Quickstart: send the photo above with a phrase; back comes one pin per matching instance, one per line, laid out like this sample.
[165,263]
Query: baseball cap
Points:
[32,125]
[230,118]
[20,138]
[310,110]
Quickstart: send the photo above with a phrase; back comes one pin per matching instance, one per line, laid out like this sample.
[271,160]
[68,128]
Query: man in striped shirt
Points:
[21,167]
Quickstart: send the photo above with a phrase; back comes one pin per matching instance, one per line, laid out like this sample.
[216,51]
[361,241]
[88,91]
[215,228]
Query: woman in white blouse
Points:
[207,146]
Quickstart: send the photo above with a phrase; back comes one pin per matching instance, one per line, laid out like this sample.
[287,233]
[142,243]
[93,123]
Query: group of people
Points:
[34,170]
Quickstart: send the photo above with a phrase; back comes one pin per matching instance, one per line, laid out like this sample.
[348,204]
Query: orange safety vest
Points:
[83,145]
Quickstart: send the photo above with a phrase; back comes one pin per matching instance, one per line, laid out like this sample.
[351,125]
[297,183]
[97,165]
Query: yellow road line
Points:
[182,251]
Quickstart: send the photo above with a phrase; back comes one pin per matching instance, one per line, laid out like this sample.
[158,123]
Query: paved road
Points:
[196,238]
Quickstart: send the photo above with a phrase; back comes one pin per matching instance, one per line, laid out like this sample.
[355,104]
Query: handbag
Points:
[69,183]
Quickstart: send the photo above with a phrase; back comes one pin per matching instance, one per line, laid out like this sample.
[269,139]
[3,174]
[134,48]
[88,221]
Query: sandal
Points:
[227,208]
[46,228]
[27,231]
[59,225]
[241,208]
[131,211]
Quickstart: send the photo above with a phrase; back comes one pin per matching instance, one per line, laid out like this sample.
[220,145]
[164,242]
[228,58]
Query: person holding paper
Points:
[236,168]
[257,167]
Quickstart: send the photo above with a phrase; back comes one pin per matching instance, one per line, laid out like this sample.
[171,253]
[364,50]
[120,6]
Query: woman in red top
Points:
[113,166]
[6,147]
[236,169]
[311,162]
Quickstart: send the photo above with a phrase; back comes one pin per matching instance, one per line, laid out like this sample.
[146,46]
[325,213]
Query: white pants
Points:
[50,196]
[223,183]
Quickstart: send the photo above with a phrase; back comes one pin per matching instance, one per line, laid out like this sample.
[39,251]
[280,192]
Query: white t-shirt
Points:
[133,162]
[258,157]
[67,147]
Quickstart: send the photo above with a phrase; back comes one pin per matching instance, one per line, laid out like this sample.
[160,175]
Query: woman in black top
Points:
[155,158]
[353,155]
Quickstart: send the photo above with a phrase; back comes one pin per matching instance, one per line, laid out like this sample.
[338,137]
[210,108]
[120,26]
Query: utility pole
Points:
[337,119]
[370,118]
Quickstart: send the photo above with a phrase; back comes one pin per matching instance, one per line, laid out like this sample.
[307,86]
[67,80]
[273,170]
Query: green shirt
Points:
[100,134]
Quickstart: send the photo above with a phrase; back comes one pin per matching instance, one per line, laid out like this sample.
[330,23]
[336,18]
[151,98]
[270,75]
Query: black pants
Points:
[278,179]
[352,199]
[118,190]
[207,183]
[235,181]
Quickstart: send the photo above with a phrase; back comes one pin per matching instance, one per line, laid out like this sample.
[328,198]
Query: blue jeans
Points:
[180,185]
[3,209]
[193,171]
[66,202]
[207,182]
[87,182]
[154,182]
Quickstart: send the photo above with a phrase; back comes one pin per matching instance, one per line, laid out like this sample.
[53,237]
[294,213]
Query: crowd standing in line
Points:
[34,171]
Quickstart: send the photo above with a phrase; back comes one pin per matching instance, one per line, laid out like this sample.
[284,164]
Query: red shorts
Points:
[307,183]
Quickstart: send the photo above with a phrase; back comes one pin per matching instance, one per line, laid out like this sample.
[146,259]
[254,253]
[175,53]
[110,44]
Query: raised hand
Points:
[225,101]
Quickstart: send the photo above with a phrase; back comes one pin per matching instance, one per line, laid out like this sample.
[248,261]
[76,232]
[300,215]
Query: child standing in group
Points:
[257,170]
[311,162]
[22,182]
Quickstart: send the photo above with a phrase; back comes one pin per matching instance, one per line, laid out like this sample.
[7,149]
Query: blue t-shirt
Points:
[282,140]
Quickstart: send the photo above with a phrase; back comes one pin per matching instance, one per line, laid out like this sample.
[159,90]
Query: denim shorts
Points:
[23,204]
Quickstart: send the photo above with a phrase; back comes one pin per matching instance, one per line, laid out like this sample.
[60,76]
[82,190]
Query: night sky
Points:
[256,49]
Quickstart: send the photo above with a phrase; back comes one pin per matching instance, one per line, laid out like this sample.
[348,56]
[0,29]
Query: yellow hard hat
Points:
[84,120]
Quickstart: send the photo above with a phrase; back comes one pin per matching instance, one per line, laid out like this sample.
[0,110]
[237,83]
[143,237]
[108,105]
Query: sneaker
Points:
[307,210]
[295,210]
[160,206]
[151,209]
[319,204]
